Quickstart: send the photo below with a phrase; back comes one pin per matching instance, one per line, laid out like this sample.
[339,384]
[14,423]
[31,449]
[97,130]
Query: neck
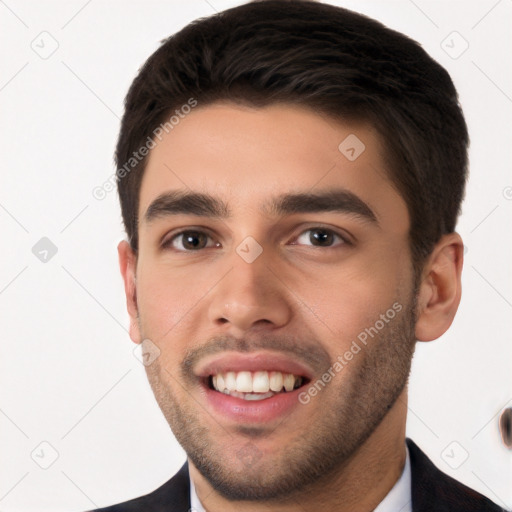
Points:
[362,483]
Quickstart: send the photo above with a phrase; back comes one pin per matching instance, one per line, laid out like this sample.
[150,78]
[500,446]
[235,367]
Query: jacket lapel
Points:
[433,490]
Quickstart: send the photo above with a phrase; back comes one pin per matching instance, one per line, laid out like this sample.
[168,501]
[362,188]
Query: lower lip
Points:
[253,411]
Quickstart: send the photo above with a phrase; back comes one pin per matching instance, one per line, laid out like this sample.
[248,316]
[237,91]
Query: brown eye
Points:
[320,237]
[188,241]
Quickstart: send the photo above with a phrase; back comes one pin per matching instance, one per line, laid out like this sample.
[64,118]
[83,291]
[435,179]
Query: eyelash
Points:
[167,244]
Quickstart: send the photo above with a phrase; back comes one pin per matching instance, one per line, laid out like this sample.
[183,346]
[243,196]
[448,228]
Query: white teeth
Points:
[260,382]
[244,382]
[276,381]
[230,381]
[289,382]
[257,396]
[255,385]
[220,382]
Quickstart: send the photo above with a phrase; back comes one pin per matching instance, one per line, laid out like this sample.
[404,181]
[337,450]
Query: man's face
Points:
[270,286]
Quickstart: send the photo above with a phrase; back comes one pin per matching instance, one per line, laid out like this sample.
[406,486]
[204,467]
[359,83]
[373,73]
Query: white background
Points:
[68,372]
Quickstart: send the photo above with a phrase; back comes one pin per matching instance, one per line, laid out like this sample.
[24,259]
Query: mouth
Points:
[252,388]
[258,385]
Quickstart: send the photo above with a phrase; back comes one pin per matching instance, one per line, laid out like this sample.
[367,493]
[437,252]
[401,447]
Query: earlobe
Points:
[440,289]
[127,265]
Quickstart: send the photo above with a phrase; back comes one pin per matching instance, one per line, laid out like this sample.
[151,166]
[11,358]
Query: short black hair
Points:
[341,64]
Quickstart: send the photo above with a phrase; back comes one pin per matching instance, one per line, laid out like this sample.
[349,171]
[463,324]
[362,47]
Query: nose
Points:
[250,296]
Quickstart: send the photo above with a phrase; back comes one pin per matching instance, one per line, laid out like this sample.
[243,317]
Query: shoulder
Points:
[172,496]
[432,489]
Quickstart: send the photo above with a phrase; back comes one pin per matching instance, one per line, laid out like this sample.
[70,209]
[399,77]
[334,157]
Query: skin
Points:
[345,449]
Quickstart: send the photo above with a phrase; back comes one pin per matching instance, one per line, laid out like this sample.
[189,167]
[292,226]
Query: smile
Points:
[257,385]
[252,388]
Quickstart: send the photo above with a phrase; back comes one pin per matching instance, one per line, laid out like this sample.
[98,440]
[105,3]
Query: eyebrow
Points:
[181,202]
[336,201]
[178,202]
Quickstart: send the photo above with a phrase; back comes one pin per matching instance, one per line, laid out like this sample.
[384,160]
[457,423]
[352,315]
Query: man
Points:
[290,176]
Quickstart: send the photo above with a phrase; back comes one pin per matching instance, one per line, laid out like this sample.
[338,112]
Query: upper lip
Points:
[256,361]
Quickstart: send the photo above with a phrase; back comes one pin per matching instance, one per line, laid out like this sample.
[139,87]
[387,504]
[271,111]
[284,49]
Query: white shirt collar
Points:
[195,504]
[398,499]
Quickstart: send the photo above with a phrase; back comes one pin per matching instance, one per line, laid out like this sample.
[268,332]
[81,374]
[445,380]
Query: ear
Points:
[440,289]
[128,265]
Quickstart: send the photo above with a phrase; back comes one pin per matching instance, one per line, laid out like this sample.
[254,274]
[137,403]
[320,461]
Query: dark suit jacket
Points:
[432,491]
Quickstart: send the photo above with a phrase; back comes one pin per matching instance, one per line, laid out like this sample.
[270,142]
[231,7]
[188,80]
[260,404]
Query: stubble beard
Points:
[351,411]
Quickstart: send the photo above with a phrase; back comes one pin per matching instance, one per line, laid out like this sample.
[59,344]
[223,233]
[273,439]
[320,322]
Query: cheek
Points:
[167,298]
[346,300]
[345,308]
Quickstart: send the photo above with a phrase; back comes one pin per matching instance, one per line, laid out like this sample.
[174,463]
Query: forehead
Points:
[247,156]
